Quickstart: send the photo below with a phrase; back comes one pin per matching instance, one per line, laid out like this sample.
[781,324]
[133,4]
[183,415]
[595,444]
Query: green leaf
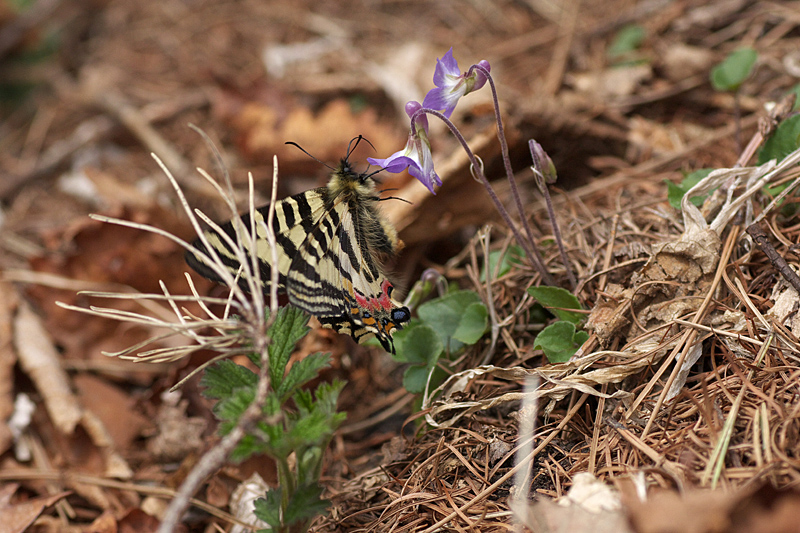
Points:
[304,504]
[552,297]
[627,40]
[444,315]
[400,339]
[291,325]
[560,341]
[422,346]
[734,69]
[301,373]
[473,324]
[268,508]
[415,378]
[785,140]
[675,193]
[232,406]
[220,379]
[327,395]
[796,91]
[512,256]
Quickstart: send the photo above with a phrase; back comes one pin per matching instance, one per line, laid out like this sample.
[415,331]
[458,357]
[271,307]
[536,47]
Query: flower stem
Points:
[530,249]
[542,183]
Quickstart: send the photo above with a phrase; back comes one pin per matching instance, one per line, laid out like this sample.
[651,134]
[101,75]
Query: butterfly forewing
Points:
[327,242]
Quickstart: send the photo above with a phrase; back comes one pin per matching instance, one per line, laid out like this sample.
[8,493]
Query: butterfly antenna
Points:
[309,155]
[351,147]
[396,198]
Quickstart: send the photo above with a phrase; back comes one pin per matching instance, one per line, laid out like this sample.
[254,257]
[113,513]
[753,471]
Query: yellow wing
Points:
[335,277]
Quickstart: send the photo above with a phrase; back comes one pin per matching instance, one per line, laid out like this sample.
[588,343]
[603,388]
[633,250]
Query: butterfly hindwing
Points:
[335,277]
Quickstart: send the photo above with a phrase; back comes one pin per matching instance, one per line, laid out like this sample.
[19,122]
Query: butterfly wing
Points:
[294,218]
[335,277]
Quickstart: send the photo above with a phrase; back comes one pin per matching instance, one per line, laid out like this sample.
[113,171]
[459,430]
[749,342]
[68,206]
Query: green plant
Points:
[445,325]
[676,192]
[559,340]
[294,421]
[733,70]
[784,140]
[623,49]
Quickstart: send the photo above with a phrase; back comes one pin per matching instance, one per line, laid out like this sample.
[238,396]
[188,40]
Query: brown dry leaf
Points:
[17,517]
[178,435]
[264,131]
[105,523]
[681,60]
[113,407]
[241,502]
[701,511]
[137,521]
[105,253]
[786,307]
[612,82]
[42,363]
[8,304]
[768,509]
[590,506]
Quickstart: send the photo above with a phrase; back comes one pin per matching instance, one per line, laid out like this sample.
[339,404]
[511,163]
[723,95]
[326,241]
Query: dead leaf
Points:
[8,305]
[41,362]
[264,131]
[612,82]
[17,517]
[113,407]
[105,523]
[178,435]
[241,502]
[590,505]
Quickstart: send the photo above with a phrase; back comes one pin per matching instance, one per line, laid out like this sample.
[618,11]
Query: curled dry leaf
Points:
[40,360]
[8,303]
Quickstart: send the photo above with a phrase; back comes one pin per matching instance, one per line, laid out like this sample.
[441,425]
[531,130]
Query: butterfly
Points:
[330,241]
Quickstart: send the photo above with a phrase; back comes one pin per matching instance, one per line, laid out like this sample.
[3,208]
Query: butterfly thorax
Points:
[358,192]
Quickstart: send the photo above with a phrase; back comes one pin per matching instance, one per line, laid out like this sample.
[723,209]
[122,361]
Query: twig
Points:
[780,264]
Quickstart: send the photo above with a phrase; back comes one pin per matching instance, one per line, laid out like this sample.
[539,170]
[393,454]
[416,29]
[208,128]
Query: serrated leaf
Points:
[233,405]
[249,446]
[473,324]
[556,297]
[734,69]
[305,503]
[291,325]
[268,508]
[785,140]
[675,193]
[327,395]
[444,314]
[301,373]
[220,379]
[558,341]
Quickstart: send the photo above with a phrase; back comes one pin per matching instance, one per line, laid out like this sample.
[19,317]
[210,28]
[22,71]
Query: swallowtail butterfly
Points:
[330,241]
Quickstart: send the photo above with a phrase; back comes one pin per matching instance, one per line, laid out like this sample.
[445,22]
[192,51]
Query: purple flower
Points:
[451,84]
[416,156]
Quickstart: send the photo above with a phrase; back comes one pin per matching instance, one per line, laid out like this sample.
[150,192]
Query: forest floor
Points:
[682,409]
